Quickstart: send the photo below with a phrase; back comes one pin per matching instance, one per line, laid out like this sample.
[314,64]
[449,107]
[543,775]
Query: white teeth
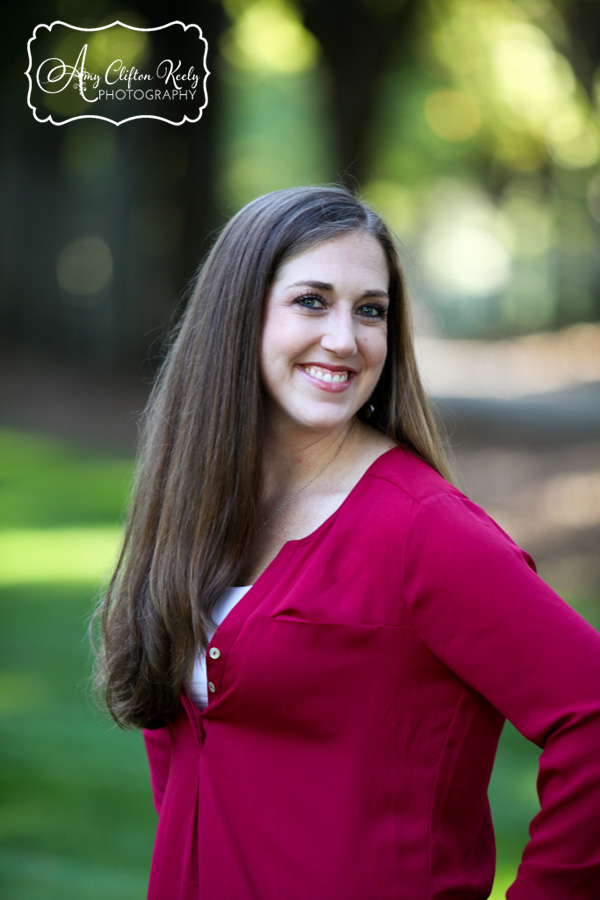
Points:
[327,376]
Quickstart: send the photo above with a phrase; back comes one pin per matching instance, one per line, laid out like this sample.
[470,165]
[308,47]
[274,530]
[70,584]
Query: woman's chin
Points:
[324,423]
[315,420]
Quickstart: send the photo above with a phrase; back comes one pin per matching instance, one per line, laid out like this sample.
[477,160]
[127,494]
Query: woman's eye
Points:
[372,311]
[310,301]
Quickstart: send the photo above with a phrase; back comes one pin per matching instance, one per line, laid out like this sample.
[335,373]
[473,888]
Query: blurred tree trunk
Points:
[583,22]
[359,41]
[160,280]
[197,186]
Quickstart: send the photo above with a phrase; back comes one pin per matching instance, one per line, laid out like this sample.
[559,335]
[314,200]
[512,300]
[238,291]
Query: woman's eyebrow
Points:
[325,286]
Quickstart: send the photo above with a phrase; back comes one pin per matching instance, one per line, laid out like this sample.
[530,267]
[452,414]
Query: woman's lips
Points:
[329,378]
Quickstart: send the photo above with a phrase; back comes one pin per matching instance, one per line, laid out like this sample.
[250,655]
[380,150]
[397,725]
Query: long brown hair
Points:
[195,502]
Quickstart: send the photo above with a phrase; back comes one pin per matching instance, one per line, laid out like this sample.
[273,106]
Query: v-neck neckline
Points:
[330,519]
[228,629]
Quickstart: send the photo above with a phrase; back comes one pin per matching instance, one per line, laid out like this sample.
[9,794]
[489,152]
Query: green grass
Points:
[76,812]
[76,818]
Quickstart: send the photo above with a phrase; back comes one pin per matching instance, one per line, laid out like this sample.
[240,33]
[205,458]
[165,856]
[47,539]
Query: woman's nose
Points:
[339,336]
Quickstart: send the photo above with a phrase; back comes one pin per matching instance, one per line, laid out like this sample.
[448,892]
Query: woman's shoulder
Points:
[400,490]
[423,505]
[405,472]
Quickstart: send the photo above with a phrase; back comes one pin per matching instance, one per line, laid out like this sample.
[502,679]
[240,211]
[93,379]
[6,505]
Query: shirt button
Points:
[214,653]
[211,687]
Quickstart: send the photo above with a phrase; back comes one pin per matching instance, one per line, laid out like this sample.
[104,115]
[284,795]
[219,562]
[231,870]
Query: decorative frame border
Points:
[104,118]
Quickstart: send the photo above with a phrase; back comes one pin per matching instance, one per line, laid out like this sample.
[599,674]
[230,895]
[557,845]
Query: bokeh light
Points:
[268,37]
[110,44]
[84,266]
[466,251]
[573,141]
[452,115]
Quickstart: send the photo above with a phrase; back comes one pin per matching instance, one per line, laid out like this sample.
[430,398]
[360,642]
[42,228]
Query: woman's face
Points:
[324,340]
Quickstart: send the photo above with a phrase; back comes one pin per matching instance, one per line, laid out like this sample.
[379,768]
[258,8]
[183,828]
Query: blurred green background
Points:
[474,127]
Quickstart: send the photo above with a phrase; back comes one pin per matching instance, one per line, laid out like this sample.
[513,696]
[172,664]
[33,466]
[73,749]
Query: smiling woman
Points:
[320,635]
[324,341]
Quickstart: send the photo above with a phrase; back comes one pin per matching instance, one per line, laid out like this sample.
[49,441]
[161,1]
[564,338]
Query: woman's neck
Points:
[292,457]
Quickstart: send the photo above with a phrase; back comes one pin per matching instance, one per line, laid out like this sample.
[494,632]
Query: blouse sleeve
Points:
[480,607]
[158,748]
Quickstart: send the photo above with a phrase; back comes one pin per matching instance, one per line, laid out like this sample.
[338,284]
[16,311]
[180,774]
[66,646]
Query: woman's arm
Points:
[158,748]
[481,608]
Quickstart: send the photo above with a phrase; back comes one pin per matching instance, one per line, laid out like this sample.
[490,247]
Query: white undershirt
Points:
[198,687]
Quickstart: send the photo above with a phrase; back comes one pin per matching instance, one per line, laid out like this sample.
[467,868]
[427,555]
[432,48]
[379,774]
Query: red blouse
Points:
[360,688]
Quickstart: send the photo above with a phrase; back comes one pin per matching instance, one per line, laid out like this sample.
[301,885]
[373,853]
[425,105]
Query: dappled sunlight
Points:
[483,153]
[509,67]
[56,555]
[395,202]
[532,79]
[465,249]
[573,139]
[268,37]
[130,46]
[466,257]
[506,93]
[452,115]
